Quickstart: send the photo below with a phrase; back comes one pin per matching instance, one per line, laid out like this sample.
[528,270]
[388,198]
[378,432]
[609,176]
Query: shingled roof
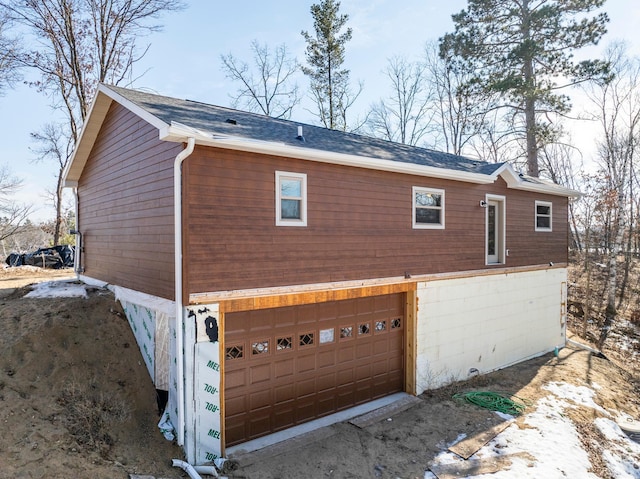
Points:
[225,127]
[219,120]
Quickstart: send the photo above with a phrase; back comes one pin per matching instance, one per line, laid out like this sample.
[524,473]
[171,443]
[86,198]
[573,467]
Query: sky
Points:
[184,61]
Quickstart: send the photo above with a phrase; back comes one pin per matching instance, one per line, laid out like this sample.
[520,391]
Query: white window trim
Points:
[502,246]
[280,175]
[535,216]
[426,226]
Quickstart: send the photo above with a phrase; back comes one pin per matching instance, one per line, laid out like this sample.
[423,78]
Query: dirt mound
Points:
[75,397]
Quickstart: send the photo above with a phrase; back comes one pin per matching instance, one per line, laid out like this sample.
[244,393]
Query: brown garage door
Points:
[286,366]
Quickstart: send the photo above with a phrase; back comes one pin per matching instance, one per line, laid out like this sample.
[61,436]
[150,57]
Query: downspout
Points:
[77,259]
[177,212]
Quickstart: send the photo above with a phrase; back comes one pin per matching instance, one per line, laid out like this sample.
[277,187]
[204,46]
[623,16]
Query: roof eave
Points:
[90,129]
[180,133]
[516,182]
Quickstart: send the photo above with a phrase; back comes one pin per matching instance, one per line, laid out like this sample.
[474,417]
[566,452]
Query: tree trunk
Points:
[610,311]
[532,144]
[58,200]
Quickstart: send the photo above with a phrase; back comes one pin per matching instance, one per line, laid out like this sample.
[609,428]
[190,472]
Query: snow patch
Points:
[579,395]
[551,438]
[58,289]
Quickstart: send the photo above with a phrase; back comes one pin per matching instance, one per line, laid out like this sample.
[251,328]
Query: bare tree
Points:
[9,48]
[561,162]
[78,44]
[13,215]
[467,120]
[617,109]
[268,87]
[54,146]
[405,115]
[81,43]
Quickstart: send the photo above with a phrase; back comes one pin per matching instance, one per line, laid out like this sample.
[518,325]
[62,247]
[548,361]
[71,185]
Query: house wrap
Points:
[275,272]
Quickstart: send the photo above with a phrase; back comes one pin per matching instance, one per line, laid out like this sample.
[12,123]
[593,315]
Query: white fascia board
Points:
[97,112]
[99,107]
[180,133]
[135,109]
[514,181]
[550,189]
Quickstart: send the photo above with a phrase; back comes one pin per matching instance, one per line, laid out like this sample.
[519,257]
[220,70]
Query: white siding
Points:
[486,323]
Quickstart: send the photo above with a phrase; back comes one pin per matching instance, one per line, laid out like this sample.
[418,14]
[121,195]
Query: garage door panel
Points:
[326,402]
[236,379]
[236,406]
[363,371]
[283,368]
[326,382]
[396,365]
[305,387]
[363,392]
[294,364]
[345,376]
[326,358]
[306,362]
[346,352]
[284,415]
[283,393]
[363,349]
[259,421]
[259,373]
[235,429]
[305,408]
[345,397]
[381,346]
[380,367]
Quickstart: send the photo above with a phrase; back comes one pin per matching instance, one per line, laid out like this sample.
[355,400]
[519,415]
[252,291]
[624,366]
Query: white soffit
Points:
[91,128]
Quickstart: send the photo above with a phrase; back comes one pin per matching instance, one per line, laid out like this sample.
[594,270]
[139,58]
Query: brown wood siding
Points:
[359,225]
[126,206]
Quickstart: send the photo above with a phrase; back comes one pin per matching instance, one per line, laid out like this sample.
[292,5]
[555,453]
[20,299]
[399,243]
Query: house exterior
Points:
[274,272]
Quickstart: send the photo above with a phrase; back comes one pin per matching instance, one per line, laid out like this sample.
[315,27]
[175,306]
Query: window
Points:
[428,208]
[543,216]
[291,199]
[495,229]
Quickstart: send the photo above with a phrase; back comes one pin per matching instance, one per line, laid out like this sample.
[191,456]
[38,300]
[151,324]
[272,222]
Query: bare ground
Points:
[76,401]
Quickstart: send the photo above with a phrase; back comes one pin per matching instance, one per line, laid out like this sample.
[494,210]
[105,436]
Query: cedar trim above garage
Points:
[263,298]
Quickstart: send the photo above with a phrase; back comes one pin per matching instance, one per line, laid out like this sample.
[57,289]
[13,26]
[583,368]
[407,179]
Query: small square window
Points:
[428,208]
[326,335]
[346,332]
[306,339]
[291,199]
[380,326]
[260,347]
[234,352]
[544,212]
[282,344]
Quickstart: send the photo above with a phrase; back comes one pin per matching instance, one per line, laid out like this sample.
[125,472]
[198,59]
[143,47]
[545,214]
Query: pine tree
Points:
[523,50]
[325,57]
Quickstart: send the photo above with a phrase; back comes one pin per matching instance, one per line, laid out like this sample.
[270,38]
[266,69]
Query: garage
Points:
[286,366]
